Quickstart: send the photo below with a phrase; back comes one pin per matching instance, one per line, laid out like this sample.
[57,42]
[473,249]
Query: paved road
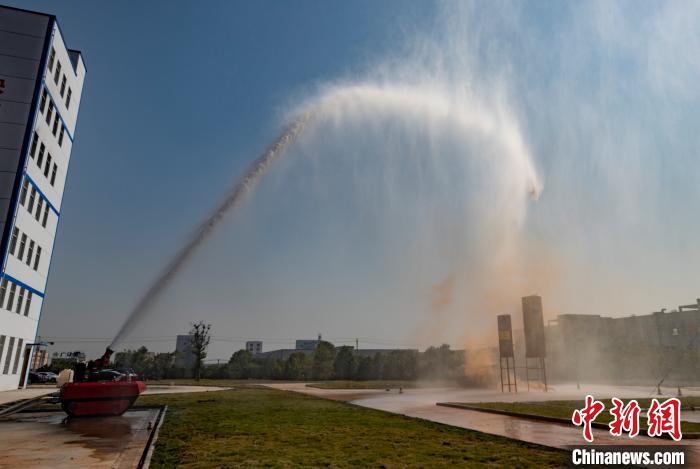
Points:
[161,389]
[421,403]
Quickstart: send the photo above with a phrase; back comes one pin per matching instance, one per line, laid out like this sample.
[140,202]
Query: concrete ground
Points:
[22,394]
[421,403]
[44,390]
[48,439]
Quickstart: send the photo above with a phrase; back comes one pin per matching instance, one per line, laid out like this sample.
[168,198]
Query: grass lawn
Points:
[564,409]
[266,427]
[374,384]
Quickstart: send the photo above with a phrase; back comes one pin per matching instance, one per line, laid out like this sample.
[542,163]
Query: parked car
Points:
[105,375]
[50,377]
[35,378]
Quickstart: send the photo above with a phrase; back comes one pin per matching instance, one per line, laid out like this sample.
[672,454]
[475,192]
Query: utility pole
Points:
[357,344]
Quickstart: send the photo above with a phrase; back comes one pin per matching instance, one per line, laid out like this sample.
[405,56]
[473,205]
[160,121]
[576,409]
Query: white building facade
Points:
[41,83]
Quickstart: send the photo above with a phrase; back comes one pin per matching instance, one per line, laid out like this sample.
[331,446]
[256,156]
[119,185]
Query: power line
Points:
[234,339]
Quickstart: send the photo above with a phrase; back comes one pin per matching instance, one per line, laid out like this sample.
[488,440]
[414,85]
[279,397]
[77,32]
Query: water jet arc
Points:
[237,193]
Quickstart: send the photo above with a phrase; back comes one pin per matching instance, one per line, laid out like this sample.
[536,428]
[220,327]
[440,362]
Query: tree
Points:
[400,364]
[267,368]
[162,365]
[324,355]
[365,368]
[345,365]
[442,363]
[297,366]
[240,364]
[200,343]
[135,360]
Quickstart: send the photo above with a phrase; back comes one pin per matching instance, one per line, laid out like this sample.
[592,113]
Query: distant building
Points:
[307,344]
[632,349]
[184,355]
[254,346]
[75,357]
[40,358]
[371,352]
[283,354]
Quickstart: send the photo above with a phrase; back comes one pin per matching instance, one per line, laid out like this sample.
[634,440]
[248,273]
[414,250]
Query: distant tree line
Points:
[147,364]
[326,362]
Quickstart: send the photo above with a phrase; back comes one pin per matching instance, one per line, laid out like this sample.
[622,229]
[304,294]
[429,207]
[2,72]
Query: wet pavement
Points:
[422,403]
[49,439]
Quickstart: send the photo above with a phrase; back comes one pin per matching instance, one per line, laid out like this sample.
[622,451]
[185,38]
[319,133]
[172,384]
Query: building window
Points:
[11,346]
[46,215]
[48,165]
[52,57]
[22,246]
[53,174]
[60,136]
[63,86]
[44,96]
[38,208]
[55,124]
[19,354]
[2,346]
[57,74]
[23,194]
[30,253]
[49,113]
[32,196]
[28,303]
[70,94]
[20,300]
[40,158]
[35,141]
[11,298]
[13,243]
[38,257]
[3,292]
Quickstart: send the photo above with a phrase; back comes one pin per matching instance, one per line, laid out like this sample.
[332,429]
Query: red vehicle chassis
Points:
[100,397]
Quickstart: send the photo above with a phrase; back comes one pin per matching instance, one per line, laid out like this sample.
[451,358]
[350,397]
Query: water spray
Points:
[240,189]
[410,105]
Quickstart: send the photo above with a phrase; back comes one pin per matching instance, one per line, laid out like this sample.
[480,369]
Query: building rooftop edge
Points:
[24,10]
[54,19]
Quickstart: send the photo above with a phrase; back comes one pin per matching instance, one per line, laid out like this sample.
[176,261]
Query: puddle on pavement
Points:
[36,439]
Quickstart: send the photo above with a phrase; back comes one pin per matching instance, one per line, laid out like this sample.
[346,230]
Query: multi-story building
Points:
[40,358]
[184,355]
[663,346]
[254,346]
[41,83]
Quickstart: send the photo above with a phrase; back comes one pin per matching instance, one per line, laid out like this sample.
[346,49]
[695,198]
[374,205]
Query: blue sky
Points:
[180,96]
